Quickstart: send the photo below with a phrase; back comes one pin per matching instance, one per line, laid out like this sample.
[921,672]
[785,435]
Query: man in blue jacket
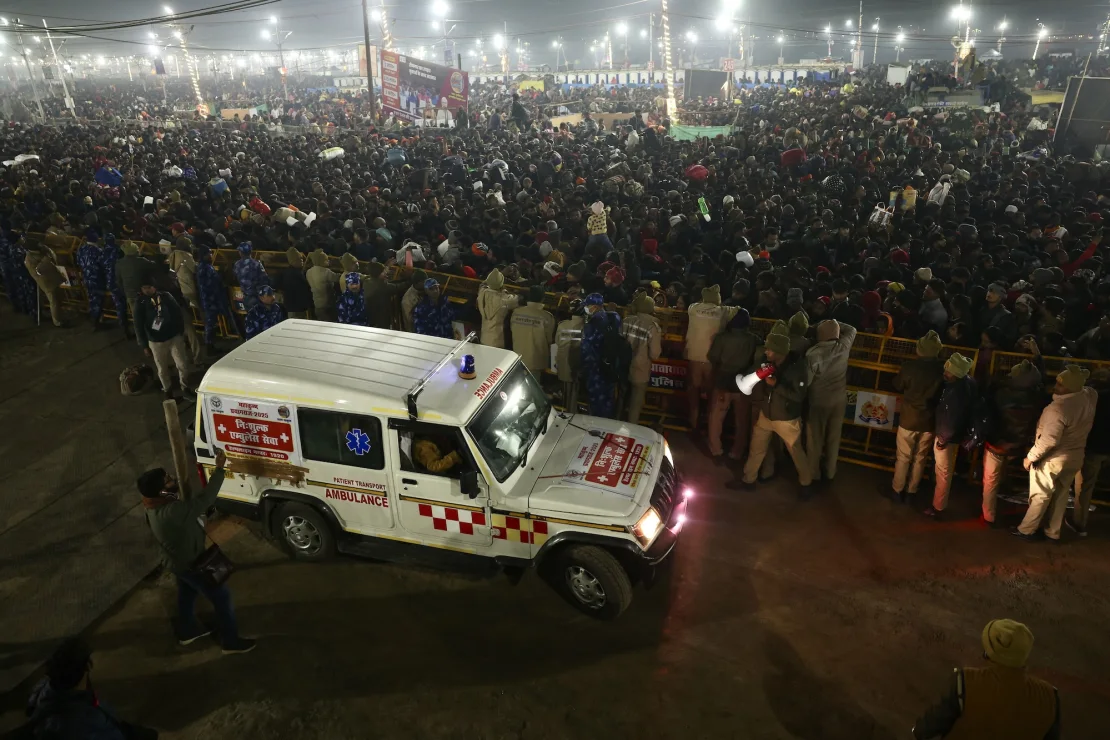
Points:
[957,402]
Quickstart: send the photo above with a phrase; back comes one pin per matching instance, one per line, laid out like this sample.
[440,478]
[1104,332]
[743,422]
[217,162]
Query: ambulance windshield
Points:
[509,422]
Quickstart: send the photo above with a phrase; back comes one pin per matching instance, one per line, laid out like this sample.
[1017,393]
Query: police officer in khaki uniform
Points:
[645,336]
[43,267]
[412,298]
[780,414]
[533,330]
[919,381]
[568,354]
[494,304]
[324,283]
[706,319]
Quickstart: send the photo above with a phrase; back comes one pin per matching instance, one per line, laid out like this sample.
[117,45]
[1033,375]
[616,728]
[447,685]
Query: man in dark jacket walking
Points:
[1016,402]
[296,294]
[160,326]
[957,402]
[181,539]
[780,413]
[731,353]
[919,381]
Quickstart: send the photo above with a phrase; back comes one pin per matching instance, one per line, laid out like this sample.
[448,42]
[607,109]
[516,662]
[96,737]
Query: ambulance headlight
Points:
[667,452]
[648,526]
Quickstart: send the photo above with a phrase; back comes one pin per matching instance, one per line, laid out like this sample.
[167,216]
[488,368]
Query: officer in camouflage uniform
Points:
[251,276]
[92,274]
[351,306]
[266,313]
[109,256]
[599,388]
[17,281]
[433,315]
[212,294]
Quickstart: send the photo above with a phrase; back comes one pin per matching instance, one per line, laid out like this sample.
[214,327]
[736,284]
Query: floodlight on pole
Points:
[1041,33]
[168,10]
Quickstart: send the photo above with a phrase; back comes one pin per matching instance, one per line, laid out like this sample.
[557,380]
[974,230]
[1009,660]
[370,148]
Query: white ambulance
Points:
[404,447]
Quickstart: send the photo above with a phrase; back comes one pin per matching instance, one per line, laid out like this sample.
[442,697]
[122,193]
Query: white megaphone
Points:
[746,383]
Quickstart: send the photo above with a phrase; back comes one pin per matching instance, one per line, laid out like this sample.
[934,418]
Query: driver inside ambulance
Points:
[436,456]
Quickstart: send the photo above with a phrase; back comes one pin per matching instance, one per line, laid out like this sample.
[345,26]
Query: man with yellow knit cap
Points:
[1057,453]
[998,700]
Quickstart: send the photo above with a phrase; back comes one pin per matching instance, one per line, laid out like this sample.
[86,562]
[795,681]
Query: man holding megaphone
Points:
[779,382]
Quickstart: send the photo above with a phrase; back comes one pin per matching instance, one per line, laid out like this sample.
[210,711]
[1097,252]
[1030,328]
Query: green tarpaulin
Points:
[689,133]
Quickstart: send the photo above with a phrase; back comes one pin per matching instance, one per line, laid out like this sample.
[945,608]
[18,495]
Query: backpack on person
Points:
[616,353]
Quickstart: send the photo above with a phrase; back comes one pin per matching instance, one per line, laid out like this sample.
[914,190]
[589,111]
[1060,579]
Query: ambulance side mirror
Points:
[468,483]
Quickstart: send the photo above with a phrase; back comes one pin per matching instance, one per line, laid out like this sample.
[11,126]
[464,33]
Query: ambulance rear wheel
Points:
[304,533]
[592,580]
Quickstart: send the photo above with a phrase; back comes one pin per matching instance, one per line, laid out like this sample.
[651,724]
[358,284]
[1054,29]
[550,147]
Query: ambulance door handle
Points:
[409,481]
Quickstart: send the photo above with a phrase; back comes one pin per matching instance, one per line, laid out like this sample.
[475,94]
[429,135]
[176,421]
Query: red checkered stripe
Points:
[447,519]
[517,529]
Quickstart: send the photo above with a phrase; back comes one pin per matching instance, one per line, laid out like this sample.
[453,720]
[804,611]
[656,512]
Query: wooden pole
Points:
[177,446]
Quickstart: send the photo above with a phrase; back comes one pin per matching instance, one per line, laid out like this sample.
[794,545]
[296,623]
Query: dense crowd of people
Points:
[835,206]
[832,208]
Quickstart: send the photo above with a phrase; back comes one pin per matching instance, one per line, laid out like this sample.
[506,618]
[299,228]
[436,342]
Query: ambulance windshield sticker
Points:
[358,441]
[611,462]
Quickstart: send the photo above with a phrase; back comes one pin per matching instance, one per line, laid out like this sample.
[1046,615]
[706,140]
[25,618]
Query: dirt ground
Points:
[838,618]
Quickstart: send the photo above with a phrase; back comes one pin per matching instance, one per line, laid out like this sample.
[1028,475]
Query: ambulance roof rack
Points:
[416,390]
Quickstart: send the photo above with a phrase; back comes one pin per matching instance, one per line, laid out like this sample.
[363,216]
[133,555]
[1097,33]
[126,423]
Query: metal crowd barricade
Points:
[873,362]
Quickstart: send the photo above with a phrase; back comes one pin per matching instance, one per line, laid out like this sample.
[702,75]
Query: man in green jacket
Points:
[919,381]
[780,413]
[730,354]
[181,539]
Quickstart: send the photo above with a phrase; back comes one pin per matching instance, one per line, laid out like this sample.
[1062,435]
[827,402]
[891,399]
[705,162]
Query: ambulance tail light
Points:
[202,475]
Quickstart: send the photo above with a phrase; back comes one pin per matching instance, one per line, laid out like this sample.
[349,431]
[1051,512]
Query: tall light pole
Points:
[875,51]
[668,74]
[782,42]
[898,41]
[439,11]
[279,36]
[1041,33]
[622,30]
[828,35]
[30,76]
[962,14]
[502,51]
[182,36]
[1002,34]
[692,37]
[369,61]
[61,73]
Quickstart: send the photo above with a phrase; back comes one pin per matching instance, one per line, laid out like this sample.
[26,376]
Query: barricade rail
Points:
[873,362]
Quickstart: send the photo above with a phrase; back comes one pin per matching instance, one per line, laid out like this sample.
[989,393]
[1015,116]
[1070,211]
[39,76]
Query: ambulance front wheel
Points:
[594,581]
[304,533]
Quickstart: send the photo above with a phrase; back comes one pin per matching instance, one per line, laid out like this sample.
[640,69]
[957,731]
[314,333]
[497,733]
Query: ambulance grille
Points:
[666,490]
